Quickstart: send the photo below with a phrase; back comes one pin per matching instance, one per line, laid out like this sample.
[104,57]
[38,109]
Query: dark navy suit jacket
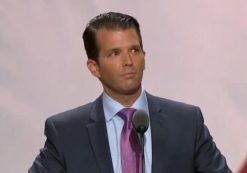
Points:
[77,141]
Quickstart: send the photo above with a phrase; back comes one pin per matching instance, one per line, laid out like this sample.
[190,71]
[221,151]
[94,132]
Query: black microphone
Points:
[140,122]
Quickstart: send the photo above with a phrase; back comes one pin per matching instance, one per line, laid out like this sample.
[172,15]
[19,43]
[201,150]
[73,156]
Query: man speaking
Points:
[99,137]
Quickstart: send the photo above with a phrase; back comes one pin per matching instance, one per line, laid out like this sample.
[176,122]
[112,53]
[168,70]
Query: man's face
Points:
[120,63]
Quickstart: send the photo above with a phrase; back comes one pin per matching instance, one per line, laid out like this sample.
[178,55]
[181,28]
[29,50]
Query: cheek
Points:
[109,73]
[142,65]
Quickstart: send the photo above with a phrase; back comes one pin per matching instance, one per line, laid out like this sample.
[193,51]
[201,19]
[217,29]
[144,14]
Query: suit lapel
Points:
[159,132]
[98,137]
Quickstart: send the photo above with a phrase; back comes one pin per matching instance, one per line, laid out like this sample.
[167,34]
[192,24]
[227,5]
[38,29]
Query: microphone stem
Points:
[143,158]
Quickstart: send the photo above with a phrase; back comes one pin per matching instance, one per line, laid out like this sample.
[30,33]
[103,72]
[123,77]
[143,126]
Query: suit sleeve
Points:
[50,159]
[208,158]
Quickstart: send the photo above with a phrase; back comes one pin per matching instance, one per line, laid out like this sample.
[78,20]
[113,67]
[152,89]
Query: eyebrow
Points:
[136,46]
[113,49]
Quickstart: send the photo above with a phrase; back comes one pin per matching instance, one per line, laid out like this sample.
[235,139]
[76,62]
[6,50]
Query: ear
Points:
[93,67]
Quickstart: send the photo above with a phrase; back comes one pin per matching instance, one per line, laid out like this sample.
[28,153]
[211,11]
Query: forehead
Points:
[107,38]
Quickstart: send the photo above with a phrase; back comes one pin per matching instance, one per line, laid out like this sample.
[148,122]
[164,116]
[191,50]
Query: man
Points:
[89,139]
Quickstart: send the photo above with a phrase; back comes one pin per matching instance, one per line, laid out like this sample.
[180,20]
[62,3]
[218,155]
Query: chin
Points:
[132,91]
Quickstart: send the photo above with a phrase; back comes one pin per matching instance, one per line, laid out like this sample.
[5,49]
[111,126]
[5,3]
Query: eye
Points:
[135,50]
[113,53]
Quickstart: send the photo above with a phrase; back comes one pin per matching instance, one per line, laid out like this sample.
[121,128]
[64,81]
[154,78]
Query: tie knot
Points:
[126,114]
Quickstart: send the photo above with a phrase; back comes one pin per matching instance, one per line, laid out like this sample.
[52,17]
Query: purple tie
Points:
[130,144]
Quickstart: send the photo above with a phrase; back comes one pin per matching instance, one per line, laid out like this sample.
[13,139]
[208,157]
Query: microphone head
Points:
[140,121]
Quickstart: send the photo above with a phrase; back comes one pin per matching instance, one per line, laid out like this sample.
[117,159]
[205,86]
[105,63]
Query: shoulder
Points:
[80,116]
[76,118]
[168,104]
[69,119]
[178,111]
[81,112]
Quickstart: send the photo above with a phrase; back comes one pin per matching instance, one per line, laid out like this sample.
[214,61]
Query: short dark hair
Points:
[111,21]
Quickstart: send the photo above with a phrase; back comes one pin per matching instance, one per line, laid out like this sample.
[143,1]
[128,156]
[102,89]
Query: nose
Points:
[127,59]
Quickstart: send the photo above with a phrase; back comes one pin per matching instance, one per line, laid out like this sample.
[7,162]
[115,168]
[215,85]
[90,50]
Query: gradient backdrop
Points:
[196,53]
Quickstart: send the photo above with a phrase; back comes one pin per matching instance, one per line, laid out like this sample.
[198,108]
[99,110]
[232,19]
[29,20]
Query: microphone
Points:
[140,122]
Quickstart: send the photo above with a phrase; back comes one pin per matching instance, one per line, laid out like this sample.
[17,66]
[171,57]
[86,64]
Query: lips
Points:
[128,74]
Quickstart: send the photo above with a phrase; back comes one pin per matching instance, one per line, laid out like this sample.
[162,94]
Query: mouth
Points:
[128,74]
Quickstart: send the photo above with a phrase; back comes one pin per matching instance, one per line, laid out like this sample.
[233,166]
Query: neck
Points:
[126,99]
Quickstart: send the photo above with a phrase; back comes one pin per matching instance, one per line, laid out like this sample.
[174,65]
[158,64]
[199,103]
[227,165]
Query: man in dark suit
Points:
[87,139]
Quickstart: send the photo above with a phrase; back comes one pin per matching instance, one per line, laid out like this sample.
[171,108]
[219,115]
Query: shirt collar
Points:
[111,107]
